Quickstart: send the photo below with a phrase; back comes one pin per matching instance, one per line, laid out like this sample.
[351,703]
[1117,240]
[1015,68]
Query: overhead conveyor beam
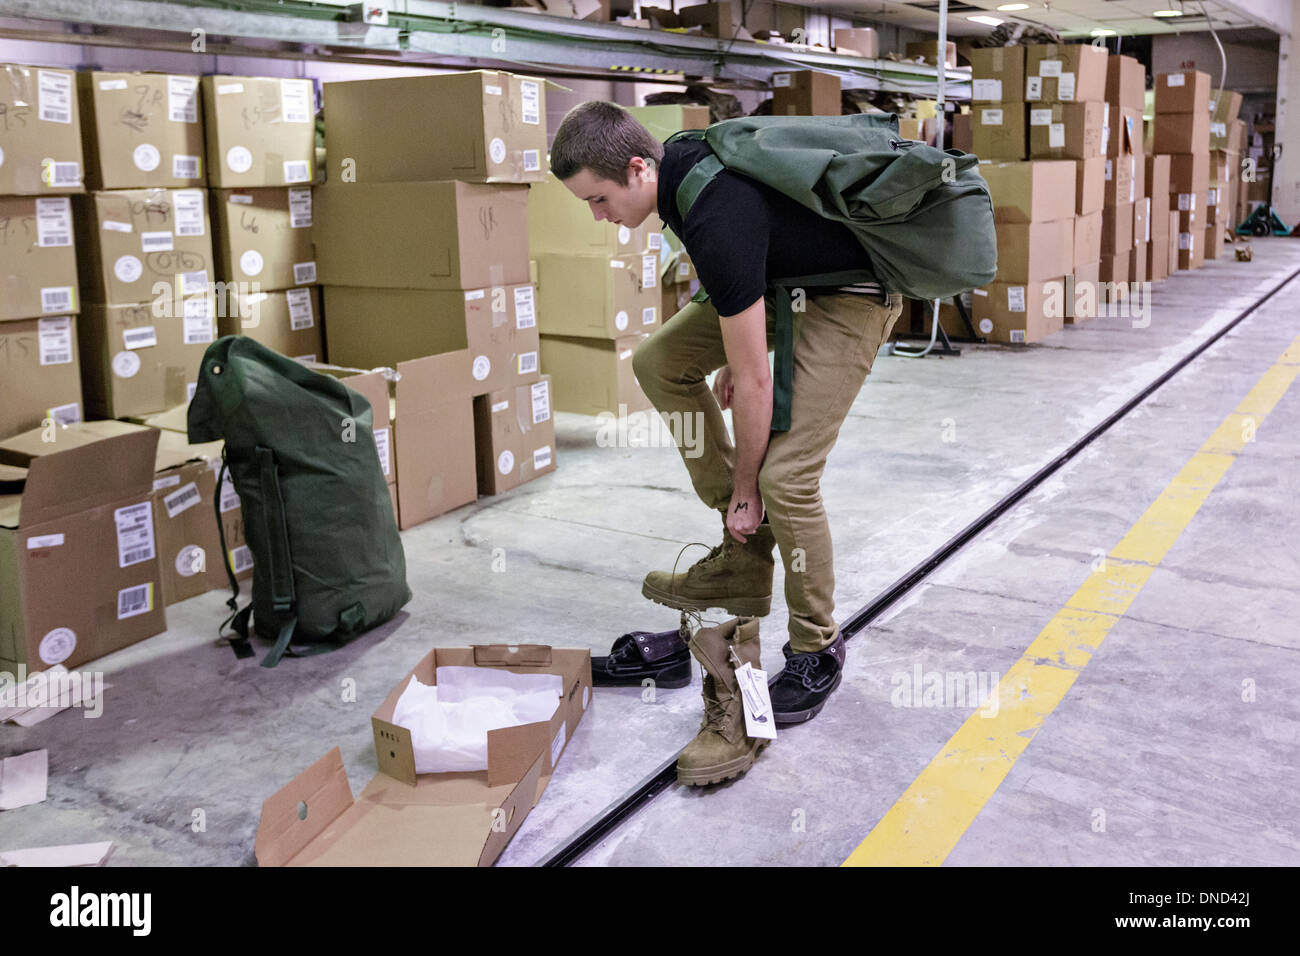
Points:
[433,33]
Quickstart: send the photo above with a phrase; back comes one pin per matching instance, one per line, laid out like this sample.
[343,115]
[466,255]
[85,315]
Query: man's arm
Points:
[744,338]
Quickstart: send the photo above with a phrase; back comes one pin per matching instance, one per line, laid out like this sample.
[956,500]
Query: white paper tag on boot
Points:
[758,704]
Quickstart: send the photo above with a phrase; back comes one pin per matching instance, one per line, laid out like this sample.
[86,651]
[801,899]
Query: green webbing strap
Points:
[693,183]
[276,534]
[238,620]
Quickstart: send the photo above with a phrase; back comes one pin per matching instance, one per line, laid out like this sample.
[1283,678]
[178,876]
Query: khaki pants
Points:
[836,340]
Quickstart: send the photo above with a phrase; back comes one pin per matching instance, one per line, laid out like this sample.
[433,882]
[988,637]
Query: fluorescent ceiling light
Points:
[1167,13]
[990,21]
[1102,33]
[1008,7]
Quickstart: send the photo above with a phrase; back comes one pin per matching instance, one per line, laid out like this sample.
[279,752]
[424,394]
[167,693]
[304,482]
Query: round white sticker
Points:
[506,462]
[986,326]
[146,157]
[624,235]
[497,150]
[57,646]
[239,159]
[128,268]
[250,263]
[620,321]
[189,560]
[126,364]
[482,368]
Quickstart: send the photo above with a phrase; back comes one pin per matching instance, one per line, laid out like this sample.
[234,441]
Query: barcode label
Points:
[156,241]
[65,414]
[1034,88]
[1065,87]
[1017,336]
[541,395]
[304,272]
[990,90]
[198,321]
[44,541]
[185,497]
[134,534]
[188,206]
[532,160]
[112,225]
[241,559]
[242,198]
[1175,79]
[1040,117]
[781,79]
[300,314]
[171,481]
[141,338]
[55,343]
[991,117]
[648,315]
[228,497]
[62,174]
[225,88]
[530,96]
[107,85]
[541,458]
[54,222]
[1056,136]
[655,241]
[55,92]
[1185,201]
[1049,68]
[185,167]
[183,99]
[296,171]
[649,271]
[1185,241]
[381,446]
[192,282]
[299,208]
[527,362]
[525,313]
[683,270]
[56,299]
[1016,298]
[500,406]
[296,101]
[136,600]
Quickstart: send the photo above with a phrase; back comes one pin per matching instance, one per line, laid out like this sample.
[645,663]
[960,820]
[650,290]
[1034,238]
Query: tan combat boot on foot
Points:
[733,576]
[722,749]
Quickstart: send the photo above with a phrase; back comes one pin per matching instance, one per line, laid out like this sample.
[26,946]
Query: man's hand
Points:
[745,513]
[722,386]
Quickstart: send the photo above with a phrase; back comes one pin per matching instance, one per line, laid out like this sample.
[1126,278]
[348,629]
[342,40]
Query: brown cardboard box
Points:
[135,240]
[1213,240]
[920,130]
[1126,82]
[1123,132]
[1116,230]
[963,133]
[264,236]
[1156,174]
[1057,73]
[597,296]
[560,222]
[805,93]
[862,41]
[137,362]
[40,375]
[1191,247]
[1137,263]
[38,261]
[929,49]
[1223,165]
[421,235]
[717,19]
[141,129]
[514,432]
[1173,241]
[1187,91]
[1114,268]
[998,74]
[1066,130]
[1018,313]
[189,542]
[998,132]
[40,138]
[1089,185]
[79,569]
[664,119]
[1237,136]
[374,385]
[591,376]
[260,131]
[1142,221]
[369,328]
[1121,180]
[1087,238]
[1038,191]
[1182,133]
[284,320]
[1189,177]
[1081,293]
[1223,114]
[1028,252]
[453,819]
[1157,254]
[483,126]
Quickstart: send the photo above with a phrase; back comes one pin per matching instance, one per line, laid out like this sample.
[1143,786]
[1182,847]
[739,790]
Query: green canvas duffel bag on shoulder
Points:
[327,560]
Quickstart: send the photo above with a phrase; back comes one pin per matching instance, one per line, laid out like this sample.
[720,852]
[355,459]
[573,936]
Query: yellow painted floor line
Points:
[925,824]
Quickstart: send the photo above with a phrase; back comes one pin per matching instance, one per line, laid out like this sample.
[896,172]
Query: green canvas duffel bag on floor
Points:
[327,560]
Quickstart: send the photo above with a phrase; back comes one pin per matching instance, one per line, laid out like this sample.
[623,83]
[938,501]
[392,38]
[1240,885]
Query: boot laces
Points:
[803,667]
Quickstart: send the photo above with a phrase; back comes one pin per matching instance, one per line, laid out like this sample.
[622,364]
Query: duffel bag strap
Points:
[276,532]
[238,620]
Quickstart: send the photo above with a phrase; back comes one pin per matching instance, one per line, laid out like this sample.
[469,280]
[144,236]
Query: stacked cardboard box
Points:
[1126,214]
[998,128]
[1158,234]
[40,168]
[422,246]
[1034,216]
[1182,129]
[806,93]
[1225,169]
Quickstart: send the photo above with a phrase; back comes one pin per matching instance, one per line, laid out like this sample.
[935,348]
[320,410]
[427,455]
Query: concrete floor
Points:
[1153,732]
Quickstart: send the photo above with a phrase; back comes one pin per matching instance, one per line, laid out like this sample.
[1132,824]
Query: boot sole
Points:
[741,607]
[671,677]
[703,776]
[801,716]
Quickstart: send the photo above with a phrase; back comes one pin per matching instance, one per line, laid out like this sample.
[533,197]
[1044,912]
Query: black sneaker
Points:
[800,691]
[663,657]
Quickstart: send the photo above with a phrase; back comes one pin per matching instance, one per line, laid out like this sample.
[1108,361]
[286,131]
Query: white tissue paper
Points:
[449,722]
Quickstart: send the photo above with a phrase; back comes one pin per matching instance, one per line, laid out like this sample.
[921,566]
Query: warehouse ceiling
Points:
[1073,18]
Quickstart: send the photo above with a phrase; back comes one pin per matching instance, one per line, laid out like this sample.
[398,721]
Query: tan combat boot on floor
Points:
[733,576]
[722,749]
